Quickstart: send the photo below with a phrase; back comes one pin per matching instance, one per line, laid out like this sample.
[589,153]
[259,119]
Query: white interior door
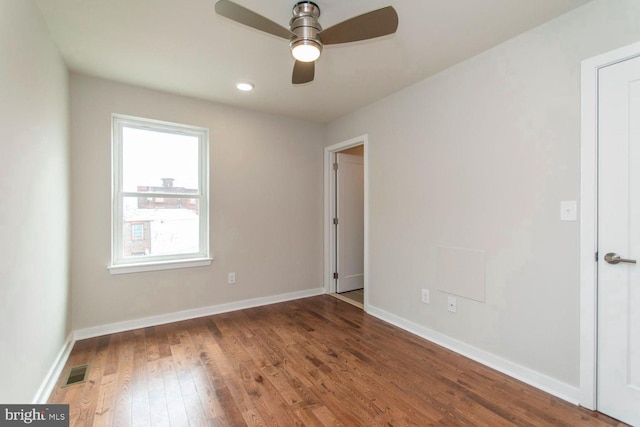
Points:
[350,227]
[618,381]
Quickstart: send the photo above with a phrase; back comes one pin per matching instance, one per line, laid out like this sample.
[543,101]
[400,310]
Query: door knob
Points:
[614,258]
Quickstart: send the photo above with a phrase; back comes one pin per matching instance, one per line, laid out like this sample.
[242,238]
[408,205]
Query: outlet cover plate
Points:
[452,304]
[426,296]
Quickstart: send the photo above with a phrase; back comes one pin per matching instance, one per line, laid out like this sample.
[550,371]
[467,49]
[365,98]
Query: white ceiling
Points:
[183,47]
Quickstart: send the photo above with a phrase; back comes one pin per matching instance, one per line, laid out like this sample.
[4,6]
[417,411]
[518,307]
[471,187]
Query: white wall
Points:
[34,189]
[480,157]
[266,198]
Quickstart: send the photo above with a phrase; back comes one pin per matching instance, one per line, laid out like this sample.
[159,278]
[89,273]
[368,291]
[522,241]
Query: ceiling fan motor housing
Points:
[305,25]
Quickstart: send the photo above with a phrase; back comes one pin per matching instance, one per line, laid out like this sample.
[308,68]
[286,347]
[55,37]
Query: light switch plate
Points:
[569,210]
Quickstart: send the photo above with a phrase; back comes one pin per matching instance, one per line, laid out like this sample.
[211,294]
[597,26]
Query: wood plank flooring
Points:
[357,295]
[315,362]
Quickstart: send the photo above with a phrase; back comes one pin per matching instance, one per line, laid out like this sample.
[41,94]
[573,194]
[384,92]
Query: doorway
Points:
[610,283]
[346,221]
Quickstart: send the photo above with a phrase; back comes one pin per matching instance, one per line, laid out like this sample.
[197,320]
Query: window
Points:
[156,165]
[137,231]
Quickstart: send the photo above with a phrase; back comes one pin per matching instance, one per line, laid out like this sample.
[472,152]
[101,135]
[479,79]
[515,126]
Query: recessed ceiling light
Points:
[244,86]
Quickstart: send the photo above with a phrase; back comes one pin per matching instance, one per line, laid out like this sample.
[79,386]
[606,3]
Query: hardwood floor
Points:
[357,295]
[349,298]
[316,361]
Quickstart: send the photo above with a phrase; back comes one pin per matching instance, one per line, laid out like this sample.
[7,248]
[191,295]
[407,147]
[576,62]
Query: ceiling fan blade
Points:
[240,14]
[370,25]
[303,72]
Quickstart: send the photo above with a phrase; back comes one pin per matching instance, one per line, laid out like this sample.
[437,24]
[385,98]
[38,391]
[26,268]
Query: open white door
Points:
[350,226]
[618,379]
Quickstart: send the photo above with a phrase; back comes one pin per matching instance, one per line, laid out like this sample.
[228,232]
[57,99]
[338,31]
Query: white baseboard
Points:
[529,376]
[49,382]
[113,328]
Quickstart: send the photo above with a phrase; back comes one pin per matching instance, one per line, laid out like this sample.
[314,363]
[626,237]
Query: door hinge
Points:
[335,221]
[596,257]
[335,166]
[335,275]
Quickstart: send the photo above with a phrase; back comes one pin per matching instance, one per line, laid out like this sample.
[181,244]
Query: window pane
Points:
[159,162]
[137,231]
[167,226]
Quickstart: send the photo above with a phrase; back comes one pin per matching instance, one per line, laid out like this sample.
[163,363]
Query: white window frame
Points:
[121,264]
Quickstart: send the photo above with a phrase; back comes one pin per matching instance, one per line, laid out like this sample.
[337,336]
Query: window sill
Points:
[161,265]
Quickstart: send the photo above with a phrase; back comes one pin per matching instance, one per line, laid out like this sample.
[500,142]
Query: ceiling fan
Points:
[306,36]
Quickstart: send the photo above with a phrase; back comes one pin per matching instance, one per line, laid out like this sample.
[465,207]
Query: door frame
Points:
[589,218]
[329,207]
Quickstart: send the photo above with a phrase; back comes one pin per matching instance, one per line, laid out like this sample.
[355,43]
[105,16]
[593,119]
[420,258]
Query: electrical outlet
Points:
[232,278]
[452,304]
[426,296]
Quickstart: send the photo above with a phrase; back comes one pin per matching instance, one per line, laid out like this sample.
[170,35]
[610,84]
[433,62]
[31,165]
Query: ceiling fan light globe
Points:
[305,51]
